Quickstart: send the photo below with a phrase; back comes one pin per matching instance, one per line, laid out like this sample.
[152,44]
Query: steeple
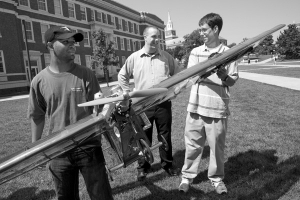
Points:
[170,23]
[170,33]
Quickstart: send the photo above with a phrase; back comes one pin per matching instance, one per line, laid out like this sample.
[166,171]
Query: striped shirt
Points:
[210,98]
[147,70]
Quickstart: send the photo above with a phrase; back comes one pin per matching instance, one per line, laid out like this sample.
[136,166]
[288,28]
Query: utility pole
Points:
[28,56]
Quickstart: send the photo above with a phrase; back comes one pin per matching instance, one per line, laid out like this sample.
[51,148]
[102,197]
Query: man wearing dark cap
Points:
[56,91]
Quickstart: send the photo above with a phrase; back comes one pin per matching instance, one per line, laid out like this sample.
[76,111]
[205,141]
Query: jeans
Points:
[65,173]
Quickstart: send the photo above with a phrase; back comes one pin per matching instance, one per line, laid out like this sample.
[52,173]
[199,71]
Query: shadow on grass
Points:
[30,193]
[249,175]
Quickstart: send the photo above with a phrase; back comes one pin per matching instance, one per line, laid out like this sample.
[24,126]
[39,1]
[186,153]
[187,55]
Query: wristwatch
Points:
[225,79]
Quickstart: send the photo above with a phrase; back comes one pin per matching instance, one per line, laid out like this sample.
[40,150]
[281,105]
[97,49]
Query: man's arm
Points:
[229,76]
[125,73]
[37,126]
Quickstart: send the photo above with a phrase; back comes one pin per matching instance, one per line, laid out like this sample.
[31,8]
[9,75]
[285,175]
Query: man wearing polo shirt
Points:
[149,66]
[208,109]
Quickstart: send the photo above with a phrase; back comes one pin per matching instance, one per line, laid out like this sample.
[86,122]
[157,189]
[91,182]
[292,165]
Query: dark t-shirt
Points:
[58,94]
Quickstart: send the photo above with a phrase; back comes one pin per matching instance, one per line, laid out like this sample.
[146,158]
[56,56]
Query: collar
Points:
[144,53]
[217,47]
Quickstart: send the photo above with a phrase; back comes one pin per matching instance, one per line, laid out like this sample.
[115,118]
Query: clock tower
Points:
[170,33]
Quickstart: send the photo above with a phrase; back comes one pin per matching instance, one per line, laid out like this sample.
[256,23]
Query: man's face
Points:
[208,34]
[151,39]
[65,49]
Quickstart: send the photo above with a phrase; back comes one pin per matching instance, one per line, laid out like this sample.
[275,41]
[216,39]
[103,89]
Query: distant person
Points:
[248,61]
[56,91]
[149,66]
[274,59]
[208,110]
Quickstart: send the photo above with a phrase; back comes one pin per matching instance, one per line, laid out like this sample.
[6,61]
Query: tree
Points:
[288,42]
[192,40]
[266,46]
[176,52]
[103,52]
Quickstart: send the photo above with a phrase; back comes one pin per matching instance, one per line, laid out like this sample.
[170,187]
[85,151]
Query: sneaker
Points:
[221,188]
[184,185]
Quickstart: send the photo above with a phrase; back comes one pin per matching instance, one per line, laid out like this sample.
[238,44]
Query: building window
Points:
[2,63]
[138,45]
[42,5]
[77,59]
[71,10]
[120,24]
[115,42]
[44,28]
[88,61]
[29,31]
[24,3]
[118,60]
[57,7]
[86,38]
[126,26]
[123,60]
[128,45]
[92,15]
[131,27]
[113,20]
[137,29]
[116,22]
[83,13]
[47,59]
[104,18]
[133,46]
[122,44]
[99,16]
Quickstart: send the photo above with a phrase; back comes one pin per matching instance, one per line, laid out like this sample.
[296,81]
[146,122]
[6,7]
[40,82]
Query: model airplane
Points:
[123,130]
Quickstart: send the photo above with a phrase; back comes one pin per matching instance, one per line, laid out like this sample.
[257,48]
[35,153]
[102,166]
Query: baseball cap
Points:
[61,32]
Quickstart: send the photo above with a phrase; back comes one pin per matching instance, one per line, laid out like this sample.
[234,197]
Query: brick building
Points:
[122,25]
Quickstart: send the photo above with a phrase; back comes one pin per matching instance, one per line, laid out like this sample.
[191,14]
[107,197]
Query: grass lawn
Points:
[262,152]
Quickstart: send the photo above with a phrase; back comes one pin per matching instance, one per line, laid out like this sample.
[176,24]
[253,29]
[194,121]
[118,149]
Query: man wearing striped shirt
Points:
[208,109]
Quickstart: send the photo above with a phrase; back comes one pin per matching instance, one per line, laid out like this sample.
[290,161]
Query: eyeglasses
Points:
[203,30]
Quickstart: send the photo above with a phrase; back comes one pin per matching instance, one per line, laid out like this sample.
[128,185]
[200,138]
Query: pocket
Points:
[162,69]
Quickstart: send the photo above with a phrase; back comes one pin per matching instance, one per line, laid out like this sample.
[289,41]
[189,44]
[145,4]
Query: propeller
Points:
[133,94]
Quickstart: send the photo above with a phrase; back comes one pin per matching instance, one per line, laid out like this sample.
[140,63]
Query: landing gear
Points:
[145,149]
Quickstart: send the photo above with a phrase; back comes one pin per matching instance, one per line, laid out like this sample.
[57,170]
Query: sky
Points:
[241,19]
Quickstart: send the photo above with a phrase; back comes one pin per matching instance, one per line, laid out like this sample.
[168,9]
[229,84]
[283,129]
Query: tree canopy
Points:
[192,40]
[103,51]
[265,47]
[288,42]
[177,52]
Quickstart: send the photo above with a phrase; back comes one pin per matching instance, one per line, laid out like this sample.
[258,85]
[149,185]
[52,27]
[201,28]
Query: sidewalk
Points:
[286,82]
[9,98]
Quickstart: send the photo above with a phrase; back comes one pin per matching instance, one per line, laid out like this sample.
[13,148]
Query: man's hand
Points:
[222,73]
[122,106]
